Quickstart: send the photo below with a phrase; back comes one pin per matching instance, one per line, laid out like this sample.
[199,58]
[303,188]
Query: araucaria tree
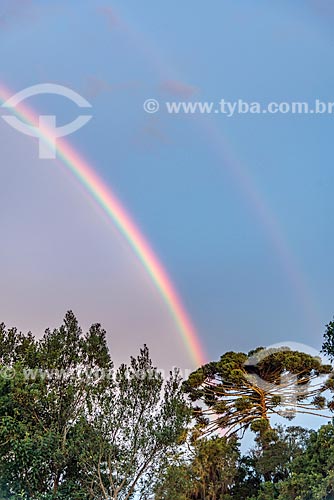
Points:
[242,391]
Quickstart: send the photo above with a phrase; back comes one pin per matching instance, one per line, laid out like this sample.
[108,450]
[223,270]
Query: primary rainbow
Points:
[104,196]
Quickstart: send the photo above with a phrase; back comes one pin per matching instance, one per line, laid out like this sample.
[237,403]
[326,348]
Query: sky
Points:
[238,210]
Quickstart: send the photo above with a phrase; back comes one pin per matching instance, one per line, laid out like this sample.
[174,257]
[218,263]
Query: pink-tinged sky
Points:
[211,199]
[60,252]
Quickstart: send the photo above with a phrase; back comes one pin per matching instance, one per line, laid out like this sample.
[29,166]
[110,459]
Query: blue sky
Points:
[177,175]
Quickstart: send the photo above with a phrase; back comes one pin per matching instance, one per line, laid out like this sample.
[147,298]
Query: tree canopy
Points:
[242,391]
[74,427]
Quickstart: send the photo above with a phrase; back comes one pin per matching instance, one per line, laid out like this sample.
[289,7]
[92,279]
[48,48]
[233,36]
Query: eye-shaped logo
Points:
[47,131]
[284,390]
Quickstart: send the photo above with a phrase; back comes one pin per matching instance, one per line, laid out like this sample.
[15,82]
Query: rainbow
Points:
[259,205]
[107,200]
[223,151]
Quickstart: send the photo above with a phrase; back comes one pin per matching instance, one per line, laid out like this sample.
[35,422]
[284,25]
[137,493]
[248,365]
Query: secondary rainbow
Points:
[220,145]
[104,196]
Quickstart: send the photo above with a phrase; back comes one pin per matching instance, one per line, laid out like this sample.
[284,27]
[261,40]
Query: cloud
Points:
[177,88]
[323,7]
[110,16]
[12,11]
[96,86]
[151,136]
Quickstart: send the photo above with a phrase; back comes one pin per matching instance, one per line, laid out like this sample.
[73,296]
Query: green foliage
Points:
[240,390]
[216,470]
[71,427]
[312,473]
[42,405]
[177,483]
[275,450]
[209,473]
[328,343]
[140,422]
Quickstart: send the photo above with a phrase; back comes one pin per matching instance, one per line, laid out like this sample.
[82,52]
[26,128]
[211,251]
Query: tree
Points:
[139,423]
[43,403]
[215,465]
[242,391]
[208,473]
[328,343]
[72,427]
[177,483]
[269,465]
[312,473]
[273,462]
[328,350]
